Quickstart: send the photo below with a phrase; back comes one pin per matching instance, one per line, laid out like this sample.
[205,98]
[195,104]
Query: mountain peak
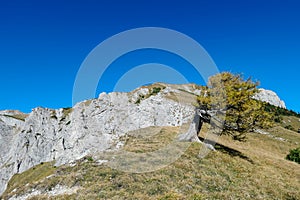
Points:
[270,97]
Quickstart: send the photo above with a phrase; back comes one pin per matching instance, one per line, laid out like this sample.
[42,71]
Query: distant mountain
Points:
[270,97]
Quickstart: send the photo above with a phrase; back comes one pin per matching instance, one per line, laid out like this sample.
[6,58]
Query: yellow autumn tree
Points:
[234,95]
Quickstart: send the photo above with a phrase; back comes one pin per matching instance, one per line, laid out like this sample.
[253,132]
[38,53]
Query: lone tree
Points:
[233,94]
[227,102]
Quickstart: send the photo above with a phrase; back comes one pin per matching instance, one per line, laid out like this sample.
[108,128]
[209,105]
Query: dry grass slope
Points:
[256,169]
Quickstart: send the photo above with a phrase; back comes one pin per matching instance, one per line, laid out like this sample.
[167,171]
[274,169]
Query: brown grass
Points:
[150,139]
[21,182]
[255,169]
[18,116]
[291,121]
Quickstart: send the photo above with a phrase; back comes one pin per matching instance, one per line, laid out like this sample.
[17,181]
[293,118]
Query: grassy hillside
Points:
[291,123]
[255,169]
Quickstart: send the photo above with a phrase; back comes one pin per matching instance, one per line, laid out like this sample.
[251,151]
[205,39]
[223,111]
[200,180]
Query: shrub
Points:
[90,158]
[290,127]
[294,155]
[156,90]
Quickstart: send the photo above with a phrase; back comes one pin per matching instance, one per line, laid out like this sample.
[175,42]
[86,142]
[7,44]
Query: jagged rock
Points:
[65,135]
[269,97]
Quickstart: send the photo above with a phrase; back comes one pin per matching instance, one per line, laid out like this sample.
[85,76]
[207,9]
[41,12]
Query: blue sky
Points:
[43,43]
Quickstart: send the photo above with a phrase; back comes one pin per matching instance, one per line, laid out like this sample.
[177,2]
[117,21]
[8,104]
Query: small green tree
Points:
[233,94]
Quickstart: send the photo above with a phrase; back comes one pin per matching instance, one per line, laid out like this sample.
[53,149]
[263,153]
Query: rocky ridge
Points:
[91,126]
[65,135]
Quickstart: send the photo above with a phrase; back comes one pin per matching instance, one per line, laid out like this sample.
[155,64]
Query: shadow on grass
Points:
[232,152]
[227,150]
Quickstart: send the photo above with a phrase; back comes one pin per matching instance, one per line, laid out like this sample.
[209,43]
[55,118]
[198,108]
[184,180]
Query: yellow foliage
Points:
[230,92]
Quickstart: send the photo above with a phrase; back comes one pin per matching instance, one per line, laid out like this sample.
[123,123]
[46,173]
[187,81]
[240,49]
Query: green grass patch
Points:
[153,90]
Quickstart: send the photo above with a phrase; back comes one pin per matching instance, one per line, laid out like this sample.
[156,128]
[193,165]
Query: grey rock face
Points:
[91,126]
[65,135]
[270,97]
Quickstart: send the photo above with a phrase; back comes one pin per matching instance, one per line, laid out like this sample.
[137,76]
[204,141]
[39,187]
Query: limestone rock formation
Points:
[67,134]
[269,97]
[64,135]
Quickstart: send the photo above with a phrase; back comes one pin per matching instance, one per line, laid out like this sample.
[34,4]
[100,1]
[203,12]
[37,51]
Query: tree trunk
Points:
[192,134]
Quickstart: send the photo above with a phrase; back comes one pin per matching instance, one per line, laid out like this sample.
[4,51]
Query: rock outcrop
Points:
[91,126]
[269,97]
[65,135]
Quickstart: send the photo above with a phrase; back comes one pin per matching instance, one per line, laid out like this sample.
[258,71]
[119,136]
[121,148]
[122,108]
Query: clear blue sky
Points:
[43,43]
